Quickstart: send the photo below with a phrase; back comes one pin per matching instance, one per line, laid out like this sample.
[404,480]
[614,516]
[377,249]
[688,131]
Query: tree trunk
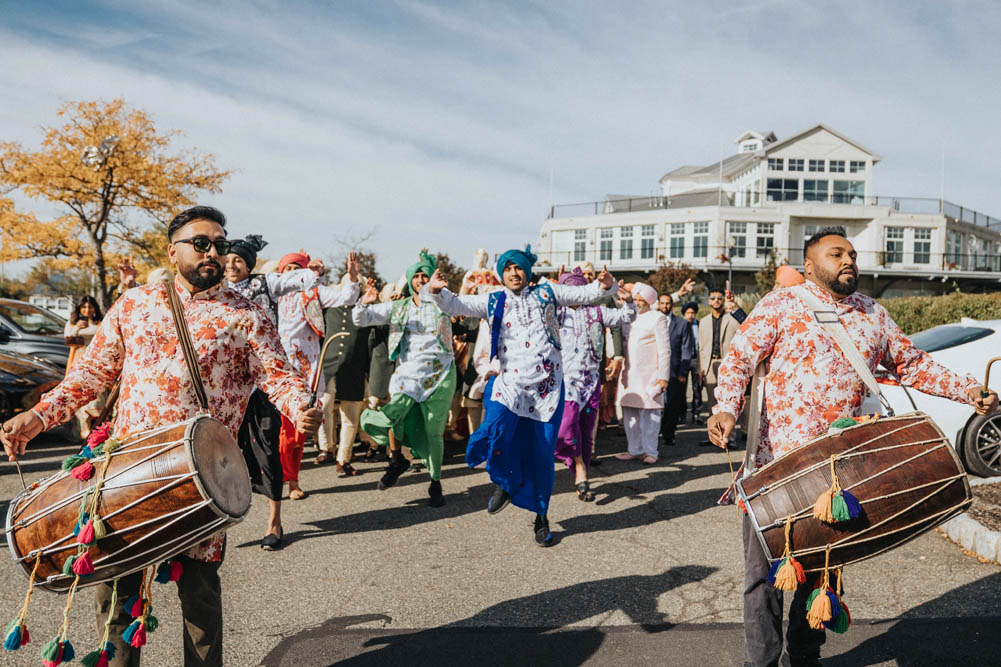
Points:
[102,278]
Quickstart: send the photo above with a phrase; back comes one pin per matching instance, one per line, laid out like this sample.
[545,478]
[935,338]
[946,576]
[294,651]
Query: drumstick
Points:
[319,364]
[16,462]
[729,460]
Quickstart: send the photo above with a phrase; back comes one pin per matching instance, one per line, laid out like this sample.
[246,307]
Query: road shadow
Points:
[369,476]
[514,632]
[916,637]
[660,508]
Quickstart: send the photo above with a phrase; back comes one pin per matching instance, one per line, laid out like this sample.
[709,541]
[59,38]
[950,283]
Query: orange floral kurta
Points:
[237,347]
[810,382]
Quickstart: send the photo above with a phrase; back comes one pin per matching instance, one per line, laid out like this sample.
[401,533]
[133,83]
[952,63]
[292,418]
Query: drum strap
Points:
[831,322]
[187,345]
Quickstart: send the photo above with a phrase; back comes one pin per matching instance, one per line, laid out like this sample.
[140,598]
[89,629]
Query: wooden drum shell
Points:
[165,491]
[902,469]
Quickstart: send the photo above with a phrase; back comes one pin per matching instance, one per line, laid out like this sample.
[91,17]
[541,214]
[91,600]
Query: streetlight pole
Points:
[731,246]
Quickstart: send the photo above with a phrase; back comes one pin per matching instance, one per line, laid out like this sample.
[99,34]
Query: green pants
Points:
[419,426]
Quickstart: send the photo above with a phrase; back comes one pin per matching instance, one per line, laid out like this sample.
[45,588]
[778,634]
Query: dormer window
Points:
[749,146]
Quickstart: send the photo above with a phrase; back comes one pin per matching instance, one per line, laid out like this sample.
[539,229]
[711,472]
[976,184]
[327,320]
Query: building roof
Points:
[820,126]
[689,199]
[766,137]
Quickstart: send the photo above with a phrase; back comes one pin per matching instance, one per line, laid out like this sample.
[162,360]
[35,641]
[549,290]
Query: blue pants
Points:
[518,450]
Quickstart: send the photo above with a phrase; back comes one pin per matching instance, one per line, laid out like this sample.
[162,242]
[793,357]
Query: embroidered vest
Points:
[314,312]
[594,329]
[547,300]
[257,291]
[398,326]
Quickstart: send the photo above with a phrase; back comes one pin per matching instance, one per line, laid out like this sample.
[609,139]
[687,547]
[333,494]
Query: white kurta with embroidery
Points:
[581,370]
[423,364]
[531,365]
[278,285]
[302,344]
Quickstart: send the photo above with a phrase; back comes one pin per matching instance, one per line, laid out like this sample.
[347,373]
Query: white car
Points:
[964,347]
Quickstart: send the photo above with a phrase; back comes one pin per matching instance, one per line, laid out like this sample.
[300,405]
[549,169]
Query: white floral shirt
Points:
[583,358]
[300,324]
[237,348]
[531,374]
[423,364]
[809,382]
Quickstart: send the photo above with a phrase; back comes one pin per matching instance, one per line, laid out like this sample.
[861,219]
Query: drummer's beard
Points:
[203,275]
[844,282]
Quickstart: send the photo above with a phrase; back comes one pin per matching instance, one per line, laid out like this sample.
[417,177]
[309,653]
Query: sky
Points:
[455,125]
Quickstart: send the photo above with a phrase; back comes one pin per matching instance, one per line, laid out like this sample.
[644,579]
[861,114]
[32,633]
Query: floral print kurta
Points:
[237,347]
[809,382]
[583,340]
[531,365]
[301,331]
[423,364]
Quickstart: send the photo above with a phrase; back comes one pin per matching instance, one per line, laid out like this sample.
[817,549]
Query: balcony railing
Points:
[901,204]
[717,258]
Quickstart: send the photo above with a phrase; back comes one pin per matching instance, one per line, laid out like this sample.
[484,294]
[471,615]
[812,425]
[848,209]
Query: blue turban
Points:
[523,259]
[427,264]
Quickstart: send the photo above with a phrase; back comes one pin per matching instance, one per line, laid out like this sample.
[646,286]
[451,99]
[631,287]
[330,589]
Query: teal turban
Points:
[426,264]
[523,259]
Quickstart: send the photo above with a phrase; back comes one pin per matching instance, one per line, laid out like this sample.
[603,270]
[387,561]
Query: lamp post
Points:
[731,245]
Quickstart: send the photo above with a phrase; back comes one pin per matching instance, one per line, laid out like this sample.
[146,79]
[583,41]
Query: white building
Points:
[770,196]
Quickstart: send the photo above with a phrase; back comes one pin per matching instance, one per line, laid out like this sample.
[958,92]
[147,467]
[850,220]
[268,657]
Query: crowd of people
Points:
[526,367]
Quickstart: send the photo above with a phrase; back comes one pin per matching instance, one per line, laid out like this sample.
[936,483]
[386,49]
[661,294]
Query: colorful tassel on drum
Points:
[99,435]
[786,574]
[843,619]
[86,534]
[134,606]
[99,658]
[83,565]
[100,529]
[169,571]
[83,472]
[135,634]
[822,607]
[17,635]
[57,652]
[835,505]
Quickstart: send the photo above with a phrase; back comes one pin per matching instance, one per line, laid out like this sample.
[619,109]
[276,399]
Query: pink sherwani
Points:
[648,359]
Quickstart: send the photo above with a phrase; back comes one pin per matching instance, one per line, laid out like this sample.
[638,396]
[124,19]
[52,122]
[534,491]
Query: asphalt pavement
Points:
[649,573]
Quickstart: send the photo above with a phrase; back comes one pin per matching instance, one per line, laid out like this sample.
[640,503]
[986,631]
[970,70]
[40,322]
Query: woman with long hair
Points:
[81,328]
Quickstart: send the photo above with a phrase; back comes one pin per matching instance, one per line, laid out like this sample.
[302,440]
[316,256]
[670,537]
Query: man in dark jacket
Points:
[682,347]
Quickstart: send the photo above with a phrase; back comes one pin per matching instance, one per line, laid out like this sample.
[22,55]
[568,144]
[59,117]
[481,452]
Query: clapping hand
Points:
[606,279]
[317,267]
[438,282]
[354,266]
[371,294]
[624,295]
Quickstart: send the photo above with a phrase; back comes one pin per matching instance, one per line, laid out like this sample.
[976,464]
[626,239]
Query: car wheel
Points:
[982,448]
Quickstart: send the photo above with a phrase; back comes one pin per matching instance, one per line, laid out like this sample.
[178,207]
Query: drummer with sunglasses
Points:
[809,383]
[237,347]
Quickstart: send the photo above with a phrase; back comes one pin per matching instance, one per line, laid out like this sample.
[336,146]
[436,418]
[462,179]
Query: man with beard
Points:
[809,383]
[237,348]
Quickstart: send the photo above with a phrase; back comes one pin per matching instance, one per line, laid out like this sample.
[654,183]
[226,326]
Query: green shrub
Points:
[917,313]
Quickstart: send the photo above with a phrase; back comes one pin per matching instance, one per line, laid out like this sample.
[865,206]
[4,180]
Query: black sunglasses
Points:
[203,243]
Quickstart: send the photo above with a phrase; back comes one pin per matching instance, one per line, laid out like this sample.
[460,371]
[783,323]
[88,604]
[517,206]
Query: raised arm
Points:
[466,305]
[583,295]
[616,317]
[377,314]
[273,372]
[338,296]
[280,284]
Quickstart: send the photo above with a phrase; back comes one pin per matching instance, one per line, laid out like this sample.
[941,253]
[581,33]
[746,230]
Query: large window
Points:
[814,190]
[954,248]
[646,241]
[775,163]
[765,238]
[848,192]
[579,245]
[922,245]
[737,239]
[625,242]
[783,189]
[795,164]
[816,165]
[836,166]
[605,245]
[677,240]
[700,240]
[857,166]
[894,245]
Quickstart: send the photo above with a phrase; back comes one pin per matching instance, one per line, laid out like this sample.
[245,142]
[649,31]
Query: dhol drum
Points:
[164,491]
[902,470]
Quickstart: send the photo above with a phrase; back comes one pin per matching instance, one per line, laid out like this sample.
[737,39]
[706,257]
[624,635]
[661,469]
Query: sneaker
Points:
[397,466]
[437,498]
[498,501]
[543,536]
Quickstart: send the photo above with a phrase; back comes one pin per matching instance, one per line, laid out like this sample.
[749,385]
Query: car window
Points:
[31,319]
[948,335]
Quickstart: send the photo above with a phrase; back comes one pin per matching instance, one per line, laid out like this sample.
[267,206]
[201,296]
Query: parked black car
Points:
[31,330]
[23,380]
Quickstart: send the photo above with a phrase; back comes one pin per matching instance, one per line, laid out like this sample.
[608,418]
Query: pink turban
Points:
[648,293]
[786,276]
[575,277]
[293,258]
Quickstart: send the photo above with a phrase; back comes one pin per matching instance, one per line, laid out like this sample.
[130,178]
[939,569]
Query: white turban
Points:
[648,293]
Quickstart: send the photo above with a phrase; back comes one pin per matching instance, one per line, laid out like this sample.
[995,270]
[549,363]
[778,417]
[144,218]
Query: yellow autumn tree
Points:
[111,175]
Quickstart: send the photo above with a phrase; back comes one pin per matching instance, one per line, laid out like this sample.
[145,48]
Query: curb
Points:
[971,534]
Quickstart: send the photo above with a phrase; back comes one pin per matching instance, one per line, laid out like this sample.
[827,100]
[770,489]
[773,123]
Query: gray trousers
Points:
[200,592]
[763,612]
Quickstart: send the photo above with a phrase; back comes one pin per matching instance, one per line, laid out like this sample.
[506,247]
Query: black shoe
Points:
[596,462]
[668,442]
[397,466]
[498,501]
[543,536]
[272,542]
[437,498]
